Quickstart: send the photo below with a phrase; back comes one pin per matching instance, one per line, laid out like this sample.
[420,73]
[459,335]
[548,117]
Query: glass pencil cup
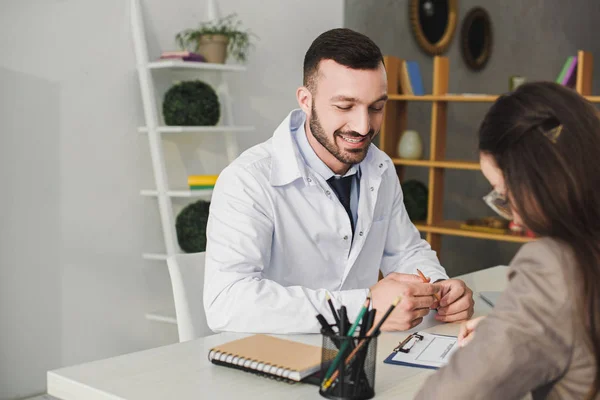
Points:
[348,366]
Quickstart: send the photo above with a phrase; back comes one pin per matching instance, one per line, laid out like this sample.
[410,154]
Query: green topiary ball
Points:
[191,103]
[191,227]
[415,200]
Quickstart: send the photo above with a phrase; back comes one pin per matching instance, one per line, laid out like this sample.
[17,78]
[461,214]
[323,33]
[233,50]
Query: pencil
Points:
[335,314]
[427,280]
[346,342]
[372,332]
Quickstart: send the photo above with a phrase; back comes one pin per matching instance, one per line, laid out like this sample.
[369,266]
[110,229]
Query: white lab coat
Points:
[278,240]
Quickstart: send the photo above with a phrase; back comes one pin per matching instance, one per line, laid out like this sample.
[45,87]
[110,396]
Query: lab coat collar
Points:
[284,172]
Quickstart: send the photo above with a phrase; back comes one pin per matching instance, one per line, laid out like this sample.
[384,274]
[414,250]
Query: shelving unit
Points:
[395,118]
[154,127]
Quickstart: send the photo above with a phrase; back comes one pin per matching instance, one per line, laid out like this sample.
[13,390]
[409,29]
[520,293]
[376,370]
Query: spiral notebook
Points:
[268,355]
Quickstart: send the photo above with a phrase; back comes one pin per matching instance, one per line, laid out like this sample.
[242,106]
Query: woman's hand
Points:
[467,331]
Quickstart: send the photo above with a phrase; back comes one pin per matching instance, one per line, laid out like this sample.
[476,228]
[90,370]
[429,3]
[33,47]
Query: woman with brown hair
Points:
[540,150]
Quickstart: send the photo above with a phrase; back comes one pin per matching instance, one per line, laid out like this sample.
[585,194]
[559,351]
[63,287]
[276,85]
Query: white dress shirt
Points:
[279,240]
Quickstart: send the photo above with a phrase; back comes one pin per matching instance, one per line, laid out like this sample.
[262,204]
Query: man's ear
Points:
[305,99]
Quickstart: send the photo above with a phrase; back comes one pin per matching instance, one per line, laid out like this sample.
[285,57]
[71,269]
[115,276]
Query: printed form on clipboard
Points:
[424,350]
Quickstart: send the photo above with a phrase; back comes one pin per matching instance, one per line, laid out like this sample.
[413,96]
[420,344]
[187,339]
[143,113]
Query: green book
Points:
[564,70]
[202,187]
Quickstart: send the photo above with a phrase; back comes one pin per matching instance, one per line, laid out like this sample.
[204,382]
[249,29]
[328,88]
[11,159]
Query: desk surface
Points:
[182,370]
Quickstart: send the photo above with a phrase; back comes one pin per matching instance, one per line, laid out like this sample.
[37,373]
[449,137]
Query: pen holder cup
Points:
[350,375]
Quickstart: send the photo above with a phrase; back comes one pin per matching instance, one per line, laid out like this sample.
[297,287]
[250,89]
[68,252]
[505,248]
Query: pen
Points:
[427,280]
[345,317]
[372,332]
[335,314]
[351,331]
[325,325]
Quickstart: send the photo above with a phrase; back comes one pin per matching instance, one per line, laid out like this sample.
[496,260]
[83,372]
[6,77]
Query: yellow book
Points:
[202,180]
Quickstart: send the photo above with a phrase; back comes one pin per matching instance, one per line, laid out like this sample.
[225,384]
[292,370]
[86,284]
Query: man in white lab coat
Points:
[317,209]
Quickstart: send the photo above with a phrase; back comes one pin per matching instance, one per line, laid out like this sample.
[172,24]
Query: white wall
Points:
[73,286]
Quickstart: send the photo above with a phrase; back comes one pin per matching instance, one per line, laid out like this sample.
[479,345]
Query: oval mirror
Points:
[476,38]
[433,23]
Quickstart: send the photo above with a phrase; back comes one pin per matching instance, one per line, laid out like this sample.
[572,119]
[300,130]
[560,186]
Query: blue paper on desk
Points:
[424,350]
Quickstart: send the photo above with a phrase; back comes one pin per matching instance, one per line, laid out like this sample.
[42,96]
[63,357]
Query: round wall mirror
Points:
[476,38]
[433,23]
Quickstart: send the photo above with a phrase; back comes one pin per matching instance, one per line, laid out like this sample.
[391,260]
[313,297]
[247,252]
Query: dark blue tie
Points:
[342,188]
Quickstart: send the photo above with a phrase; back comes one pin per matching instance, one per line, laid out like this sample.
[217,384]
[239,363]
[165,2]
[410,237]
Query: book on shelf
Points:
[416,80]
[202,182]
[567,74]
[182,55]
[405,85]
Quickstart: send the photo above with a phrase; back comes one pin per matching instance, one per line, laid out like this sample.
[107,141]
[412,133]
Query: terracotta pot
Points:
[213,48]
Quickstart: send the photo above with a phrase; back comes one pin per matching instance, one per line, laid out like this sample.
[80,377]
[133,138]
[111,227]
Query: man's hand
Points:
[456,302]
[417,299]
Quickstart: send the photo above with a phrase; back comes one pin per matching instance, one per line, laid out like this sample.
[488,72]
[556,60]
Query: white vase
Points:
[410,145]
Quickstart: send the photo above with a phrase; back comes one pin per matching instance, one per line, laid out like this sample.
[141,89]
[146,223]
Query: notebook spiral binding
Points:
[252,366]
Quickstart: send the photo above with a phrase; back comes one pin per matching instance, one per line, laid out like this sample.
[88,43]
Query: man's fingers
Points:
[415,322]
[462,304]
[461,316]
[410,303]
[455,292]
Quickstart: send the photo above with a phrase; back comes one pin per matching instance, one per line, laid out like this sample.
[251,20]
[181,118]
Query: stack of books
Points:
[182,55]
[202,182]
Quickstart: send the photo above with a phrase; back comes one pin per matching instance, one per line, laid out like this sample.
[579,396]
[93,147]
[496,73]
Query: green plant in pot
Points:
[217,39]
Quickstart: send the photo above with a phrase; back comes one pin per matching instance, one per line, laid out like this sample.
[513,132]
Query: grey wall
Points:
[532,38]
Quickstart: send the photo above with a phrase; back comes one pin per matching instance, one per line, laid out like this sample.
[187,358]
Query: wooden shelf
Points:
[470,98]
[468,165]
[453,228]
[593,99]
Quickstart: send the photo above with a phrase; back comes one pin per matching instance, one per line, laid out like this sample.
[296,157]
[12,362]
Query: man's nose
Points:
[361,123]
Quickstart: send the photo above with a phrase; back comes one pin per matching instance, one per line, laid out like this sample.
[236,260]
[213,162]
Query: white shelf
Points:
[191,65]
[198,129]
[165,316]
[155,256]
[180,193]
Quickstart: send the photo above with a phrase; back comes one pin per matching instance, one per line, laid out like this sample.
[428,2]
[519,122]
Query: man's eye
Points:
[345,108]
[377,109]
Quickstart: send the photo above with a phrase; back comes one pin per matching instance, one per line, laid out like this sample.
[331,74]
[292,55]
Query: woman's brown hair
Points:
[545,139]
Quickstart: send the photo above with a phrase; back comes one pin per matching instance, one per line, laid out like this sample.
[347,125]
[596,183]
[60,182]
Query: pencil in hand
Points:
[427,280]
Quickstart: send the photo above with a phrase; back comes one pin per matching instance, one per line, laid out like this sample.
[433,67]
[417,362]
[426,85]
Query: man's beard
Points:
[346,156]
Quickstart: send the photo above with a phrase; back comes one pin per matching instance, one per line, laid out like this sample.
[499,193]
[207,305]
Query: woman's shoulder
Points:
[546,261]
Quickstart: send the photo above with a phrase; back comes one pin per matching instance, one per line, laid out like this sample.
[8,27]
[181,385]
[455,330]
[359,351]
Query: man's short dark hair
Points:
[344,46]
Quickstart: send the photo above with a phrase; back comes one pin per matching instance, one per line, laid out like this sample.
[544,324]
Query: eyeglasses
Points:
[499,204]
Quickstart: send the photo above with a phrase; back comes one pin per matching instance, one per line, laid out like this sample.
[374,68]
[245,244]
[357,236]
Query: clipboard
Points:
[424,350]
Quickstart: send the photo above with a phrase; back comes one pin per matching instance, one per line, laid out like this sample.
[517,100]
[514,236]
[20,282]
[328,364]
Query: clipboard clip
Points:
[408,343]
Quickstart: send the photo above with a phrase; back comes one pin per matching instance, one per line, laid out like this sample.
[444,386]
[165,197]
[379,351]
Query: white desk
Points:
[182,371]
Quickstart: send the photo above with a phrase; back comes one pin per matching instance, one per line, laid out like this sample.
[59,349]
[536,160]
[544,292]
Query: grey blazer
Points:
[533,341]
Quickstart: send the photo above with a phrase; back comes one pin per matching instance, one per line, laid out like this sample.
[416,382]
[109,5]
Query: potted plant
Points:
[217,39]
